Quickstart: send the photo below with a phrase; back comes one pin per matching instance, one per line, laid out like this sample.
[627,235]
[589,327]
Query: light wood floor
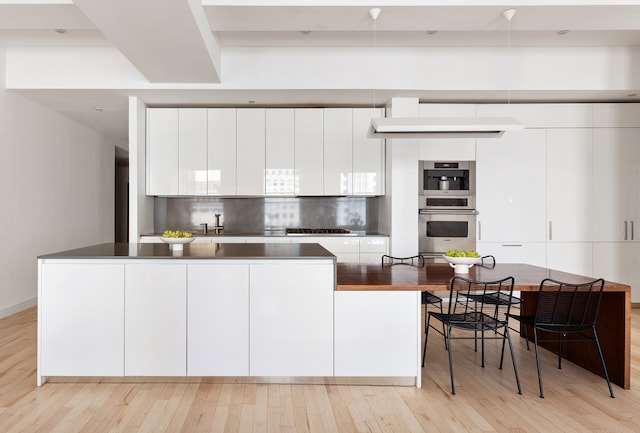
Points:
[485,400]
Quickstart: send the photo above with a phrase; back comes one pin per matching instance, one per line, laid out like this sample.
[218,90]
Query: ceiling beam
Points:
[168,42]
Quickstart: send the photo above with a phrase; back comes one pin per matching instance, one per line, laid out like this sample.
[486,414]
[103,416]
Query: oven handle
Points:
[448,212]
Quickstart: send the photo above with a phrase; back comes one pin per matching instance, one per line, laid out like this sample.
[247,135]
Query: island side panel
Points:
[377,333]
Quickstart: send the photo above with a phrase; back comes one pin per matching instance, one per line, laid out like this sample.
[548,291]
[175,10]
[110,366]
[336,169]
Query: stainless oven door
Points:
[445,230]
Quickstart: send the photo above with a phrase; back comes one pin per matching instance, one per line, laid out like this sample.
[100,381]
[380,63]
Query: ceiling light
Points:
[563,32]
[632,94]
[432,32]
[98,109]
[305,32]
[61,31]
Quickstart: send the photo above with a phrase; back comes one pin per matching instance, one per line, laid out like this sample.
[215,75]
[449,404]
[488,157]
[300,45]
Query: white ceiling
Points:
[194,33]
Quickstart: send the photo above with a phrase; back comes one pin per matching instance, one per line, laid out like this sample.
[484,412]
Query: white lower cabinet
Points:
[82,320]
[618,262]
[531,253]
[156,321]
[291,319]
[572,257]
[371,337]
[218,320]
[372,249]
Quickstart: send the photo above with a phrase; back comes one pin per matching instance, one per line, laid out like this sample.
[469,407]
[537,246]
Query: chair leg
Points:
[513,358]
[443,329]
[426,338]
[526,335]
[535,342]
[453,389]
[482,344]
[604,367]
[560,352]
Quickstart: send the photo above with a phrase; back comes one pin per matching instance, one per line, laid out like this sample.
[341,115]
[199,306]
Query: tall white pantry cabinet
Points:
[565,192]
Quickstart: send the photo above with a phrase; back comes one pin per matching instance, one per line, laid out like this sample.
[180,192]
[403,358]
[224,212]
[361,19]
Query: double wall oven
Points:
[447,214]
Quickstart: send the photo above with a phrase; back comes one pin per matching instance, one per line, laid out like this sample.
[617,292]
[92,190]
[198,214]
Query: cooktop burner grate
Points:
[321,231]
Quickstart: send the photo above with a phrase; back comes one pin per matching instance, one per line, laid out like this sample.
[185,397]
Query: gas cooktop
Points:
[309,231]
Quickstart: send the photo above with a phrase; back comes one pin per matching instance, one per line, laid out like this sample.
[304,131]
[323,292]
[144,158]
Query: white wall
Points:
[56,191]
[140,205]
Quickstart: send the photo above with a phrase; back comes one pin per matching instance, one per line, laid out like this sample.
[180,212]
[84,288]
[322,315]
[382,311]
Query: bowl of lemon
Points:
[176,238]
[461,261]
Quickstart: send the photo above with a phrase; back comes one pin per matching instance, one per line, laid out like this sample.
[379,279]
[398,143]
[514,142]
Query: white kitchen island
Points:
[239,312]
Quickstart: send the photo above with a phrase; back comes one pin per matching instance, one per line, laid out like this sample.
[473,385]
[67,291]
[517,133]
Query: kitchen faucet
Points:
[217,229]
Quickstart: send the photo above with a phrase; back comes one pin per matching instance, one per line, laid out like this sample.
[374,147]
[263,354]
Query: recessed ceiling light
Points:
[61,31]
[563,32]
[98,109]
[305,32]
[251,101]
[432,32]
[632,94]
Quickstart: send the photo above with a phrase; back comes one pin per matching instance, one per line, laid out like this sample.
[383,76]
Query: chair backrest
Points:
[466,295]
[565,304]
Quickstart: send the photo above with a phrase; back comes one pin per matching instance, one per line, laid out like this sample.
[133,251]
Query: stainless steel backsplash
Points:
[258,215]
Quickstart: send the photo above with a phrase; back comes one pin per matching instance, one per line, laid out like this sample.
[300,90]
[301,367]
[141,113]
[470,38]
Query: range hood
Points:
[446,127]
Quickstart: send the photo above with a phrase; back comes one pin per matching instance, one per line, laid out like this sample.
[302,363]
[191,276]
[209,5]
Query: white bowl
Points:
[461,265]
[176,243]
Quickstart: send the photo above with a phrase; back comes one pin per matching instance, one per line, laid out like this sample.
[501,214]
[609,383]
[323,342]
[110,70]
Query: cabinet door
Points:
[291,319]
[82,313]
[338,136]
[618,262]
[279,152]
[221,155]
[192,151]
[156,322]
[569,185]
[346,249]
[616,159]
[162,151]
[511,187]
[309,166]
[368,154]
[531,253]
[377,333]
[251,156]
[572,257]
[218,320]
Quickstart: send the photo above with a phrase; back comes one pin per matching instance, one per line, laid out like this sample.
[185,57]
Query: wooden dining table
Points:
[614,319]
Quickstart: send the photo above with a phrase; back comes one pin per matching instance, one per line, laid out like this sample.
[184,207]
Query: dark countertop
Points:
[196,251]
[278,233]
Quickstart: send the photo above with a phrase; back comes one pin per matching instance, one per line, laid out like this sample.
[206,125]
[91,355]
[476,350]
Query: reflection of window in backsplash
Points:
[256,215]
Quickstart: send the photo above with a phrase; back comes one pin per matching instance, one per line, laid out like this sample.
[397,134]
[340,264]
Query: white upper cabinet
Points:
[258,152]
[616,186]
[511,187]
[280,135]
[368,154]
[251,151]
[192,151]
[162,151]
[221,155]
[569,185]
[338,145]
[309,145]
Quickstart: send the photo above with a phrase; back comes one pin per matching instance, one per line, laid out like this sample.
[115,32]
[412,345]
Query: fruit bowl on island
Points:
[176,239]
[462,261]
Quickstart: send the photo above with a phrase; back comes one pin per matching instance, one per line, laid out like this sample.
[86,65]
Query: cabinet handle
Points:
[632,236]
[625,230]
[511,245]
[479,231]
[550,231]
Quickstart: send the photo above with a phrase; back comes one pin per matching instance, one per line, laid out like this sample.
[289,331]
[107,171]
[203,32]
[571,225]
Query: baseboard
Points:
[12,309]
[635,305]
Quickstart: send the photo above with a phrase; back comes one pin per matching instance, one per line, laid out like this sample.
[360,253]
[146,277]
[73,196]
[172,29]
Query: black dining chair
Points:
[471,316]
[565,309]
